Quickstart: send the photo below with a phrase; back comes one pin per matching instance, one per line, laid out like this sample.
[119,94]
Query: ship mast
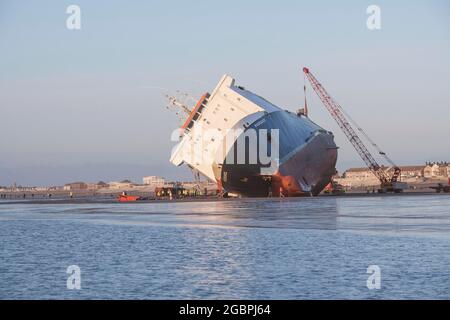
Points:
[178,103]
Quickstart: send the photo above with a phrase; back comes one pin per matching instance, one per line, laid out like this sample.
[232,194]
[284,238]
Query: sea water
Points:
[305,248]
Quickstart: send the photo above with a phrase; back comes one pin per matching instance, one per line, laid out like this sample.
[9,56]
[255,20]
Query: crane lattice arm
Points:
[338,115]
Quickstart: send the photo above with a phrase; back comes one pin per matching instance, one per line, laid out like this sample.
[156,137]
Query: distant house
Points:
[98,185]
[101,185]
[75,186]
[360,173]
[444,170]
[153,181]
[55,188]
[358,177]
[416,171]
[431,170]
[122,185]
[357,173]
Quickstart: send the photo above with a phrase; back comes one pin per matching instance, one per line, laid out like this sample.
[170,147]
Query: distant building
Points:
[153,181]
[101,185]
[431,171]
[55,188]
[358,177]
[412,171]
[98,185]
[415,171]
[122,185]
[358,173]
[437,170]
[444,170]
[76,186]
[362,177]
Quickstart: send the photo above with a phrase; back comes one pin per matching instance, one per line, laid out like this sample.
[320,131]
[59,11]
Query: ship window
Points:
[225,119]
[238,99]
[232,109]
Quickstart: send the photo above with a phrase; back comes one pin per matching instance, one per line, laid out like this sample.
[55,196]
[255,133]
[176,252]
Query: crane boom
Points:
[338,115]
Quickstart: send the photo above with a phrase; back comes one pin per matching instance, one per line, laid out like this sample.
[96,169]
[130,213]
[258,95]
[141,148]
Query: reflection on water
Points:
[251,248]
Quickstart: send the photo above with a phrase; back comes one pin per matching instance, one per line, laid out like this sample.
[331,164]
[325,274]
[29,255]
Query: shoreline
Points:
[110,199]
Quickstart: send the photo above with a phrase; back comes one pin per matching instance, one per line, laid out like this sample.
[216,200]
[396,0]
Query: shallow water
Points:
[308,248]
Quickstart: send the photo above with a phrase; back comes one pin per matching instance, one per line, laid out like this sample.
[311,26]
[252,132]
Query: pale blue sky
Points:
[80,105]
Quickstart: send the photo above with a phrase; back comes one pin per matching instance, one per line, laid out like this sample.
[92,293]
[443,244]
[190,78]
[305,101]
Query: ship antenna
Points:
[304,92]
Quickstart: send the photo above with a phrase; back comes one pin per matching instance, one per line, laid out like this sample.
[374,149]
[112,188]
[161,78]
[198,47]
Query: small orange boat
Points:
[127,198]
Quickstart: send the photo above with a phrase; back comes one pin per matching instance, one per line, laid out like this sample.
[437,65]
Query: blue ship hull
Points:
[305,165]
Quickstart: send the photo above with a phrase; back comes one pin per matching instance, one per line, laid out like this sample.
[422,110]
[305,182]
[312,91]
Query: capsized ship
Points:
[253,148]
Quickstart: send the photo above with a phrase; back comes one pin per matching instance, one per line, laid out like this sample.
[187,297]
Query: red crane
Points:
[388,183]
